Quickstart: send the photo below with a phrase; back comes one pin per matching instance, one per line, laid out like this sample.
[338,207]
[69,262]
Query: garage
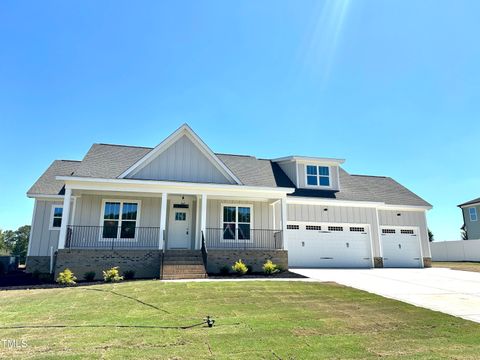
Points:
[329,245]
[401,247]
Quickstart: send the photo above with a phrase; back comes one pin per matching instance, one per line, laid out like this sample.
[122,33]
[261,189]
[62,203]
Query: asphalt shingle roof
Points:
[110,161]
[47,185]
[471,202]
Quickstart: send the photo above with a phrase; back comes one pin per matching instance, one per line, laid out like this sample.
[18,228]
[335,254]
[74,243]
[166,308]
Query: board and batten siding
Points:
[337,214]
[302,178]
[42,237]
[407,218]
[262,213]
[182,161]
[290,169]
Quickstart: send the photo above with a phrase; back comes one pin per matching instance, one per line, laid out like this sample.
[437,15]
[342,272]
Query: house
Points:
[470,212]
[171,210]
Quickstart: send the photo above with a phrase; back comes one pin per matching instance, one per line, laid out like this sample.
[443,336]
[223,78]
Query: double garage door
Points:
[349,246]
[329,245]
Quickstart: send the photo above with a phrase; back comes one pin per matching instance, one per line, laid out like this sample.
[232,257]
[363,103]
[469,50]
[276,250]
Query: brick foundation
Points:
[378,262]
[39,264]
[255,258]
[427,262]
[145,263]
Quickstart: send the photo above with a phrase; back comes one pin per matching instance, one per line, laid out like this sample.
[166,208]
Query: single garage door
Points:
[329,245]
[401,247]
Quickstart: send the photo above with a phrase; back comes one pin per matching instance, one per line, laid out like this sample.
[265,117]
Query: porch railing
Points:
[100,237]
[266,239]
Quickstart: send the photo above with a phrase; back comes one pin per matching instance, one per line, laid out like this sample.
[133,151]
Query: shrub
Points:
[129,274]
[112,275]
[270,268]
[224,270]
[240,268]
[66,277]
[89,276]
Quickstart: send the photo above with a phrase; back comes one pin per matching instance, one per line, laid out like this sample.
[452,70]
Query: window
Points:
[56,217]
[293,227]
[388,231]
[473,213]
[407,232]
[335,228]
[120,219]
[180,216]
[357,229]
[236,222]
[313,227]
[318,175]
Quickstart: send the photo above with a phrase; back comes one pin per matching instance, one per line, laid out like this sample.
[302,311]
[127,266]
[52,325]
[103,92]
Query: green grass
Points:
[254,320]
[461,265]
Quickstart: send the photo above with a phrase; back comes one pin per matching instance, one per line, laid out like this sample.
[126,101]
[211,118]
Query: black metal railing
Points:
[103,237]
[204,251]
[267,239]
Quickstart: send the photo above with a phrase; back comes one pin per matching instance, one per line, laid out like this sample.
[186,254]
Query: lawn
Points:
[465,266]
[254,320]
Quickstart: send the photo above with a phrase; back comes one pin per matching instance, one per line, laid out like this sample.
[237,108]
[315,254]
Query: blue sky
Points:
[391,86]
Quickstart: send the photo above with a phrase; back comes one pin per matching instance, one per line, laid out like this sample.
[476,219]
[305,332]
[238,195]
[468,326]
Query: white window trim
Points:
[250,206]
[52,211]
[318,177]
[470,213]
[121,201]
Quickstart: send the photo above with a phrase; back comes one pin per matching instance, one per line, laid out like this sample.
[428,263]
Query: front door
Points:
[179,226]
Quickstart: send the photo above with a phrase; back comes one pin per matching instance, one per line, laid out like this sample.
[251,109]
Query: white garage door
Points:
[329,245]
[401,247]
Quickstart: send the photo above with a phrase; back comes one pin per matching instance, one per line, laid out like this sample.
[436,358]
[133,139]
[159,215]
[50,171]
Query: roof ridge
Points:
[68,160]
[375,176]
[239,155]
[122,145]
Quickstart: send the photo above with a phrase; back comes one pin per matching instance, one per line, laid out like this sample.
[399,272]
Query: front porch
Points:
[172,220]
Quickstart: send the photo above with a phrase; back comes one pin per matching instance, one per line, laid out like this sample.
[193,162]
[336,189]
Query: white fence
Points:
[463,250]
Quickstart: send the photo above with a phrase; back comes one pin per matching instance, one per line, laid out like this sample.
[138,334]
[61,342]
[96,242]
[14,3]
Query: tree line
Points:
[15,242]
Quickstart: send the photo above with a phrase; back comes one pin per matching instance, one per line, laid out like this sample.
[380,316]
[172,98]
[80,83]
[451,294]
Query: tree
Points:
[3,246]
[463,232]
[16,242]
[430,235]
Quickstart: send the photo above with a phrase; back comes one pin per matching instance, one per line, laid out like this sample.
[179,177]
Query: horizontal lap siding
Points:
[337,214]
[407,218]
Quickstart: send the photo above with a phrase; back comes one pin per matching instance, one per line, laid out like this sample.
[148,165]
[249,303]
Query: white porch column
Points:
[198,236]
[163,220]
[283,204]
[203,216]
[65,217]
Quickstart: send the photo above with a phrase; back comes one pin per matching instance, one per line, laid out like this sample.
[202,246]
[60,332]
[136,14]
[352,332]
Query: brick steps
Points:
[183,264]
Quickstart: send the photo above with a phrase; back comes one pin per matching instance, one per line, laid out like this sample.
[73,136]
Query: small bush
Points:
[224,270]
[240,268]
[112,275]
[129,274]
[270,268]
[89,276]
[66,277]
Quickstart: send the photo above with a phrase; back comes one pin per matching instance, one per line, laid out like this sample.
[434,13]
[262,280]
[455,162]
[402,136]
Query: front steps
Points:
[183,264]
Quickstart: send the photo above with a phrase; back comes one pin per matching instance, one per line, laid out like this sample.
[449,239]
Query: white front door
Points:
[179,226]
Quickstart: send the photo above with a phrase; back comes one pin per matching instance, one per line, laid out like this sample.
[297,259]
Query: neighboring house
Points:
[125,205]
[471,212]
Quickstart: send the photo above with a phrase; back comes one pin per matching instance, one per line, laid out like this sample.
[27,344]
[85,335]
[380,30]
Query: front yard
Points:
[254,319]
[461,265]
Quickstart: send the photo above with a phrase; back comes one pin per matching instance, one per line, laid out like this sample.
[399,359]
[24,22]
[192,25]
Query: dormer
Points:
[312,172]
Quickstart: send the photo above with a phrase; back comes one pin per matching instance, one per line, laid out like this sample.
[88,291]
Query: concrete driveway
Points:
[452,292]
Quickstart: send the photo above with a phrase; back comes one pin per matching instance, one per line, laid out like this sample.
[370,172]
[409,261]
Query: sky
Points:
[391,86]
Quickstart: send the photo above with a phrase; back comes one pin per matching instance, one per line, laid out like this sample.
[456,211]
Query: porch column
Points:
[65,218]
[283,204]
[203,216]
[198,236]
[163,220]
